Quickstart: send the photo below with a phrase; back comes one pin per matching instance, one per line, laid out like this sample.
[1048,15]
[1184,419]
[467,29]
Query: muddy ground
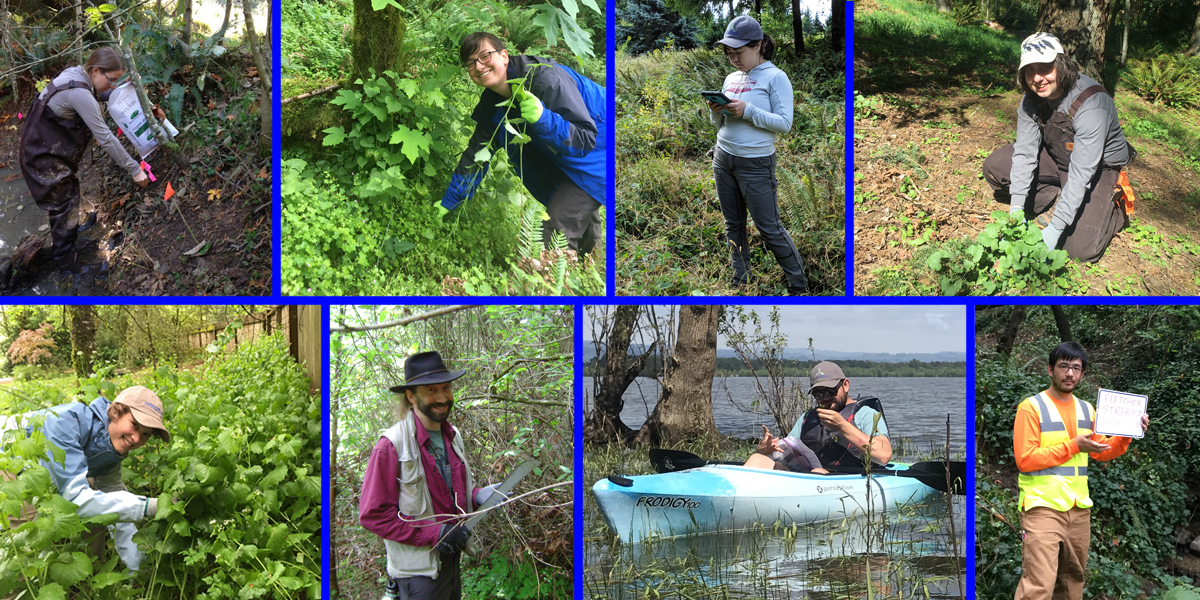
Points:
[222,198]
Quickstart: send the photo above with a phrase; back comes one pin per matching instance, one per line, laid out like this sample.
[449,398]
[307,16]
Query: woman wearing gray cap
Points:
[760,108]
[1067,123]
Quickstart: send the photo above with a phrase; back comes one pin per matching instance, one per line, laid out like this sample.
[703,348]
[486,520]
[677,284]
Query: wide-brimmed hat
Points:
[147,409]
[1040,47]
[825,374]
[425,368]
[741,31]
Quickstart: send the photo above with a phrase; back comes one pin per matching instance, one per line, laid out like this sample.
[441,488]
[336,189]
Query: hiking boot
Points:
[70,265]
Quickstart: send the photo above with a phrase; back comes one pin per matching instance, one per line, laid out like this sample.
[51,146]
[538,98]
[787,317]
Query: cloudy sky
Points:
[892,329]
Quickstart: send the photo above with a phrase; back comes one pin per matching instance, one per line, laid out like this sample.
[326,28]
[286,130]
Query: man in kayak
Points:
[1052,438]
[831,435]
[413,513]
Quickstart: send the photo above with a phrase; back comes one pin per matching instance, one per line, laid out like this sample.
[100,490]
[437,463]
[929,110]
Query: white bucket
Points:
[125,109]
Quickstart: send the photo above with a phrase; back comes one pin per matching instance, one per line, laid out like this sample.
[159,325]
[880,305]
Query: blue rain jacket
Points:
[568,141]
[81,431]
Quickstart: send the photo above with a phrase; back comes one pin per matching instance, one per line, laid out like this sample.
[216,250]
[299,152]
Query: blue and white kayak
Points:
[735,498]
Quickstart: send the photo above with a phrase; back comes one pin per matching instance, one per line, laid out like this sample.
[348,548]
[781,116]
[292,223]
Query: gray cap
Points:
[740,32]
[825,374]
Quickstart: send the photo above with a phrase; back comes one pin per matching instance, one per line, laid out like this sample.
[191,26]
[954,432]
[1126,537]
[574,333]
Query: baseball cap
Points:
[147,409]
[740,32]
[1040,47]
[825,374]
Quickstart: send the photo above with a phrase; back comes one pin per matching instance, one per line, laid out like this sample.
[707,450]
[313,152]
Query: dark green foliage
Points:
[1168,79]
[315,39]
[645,25]
[500,578]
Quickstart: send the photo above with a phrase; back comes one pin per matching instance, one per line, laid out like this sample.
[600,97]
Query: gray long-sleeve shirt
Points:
[1098,138]
[67,104]
[767,93]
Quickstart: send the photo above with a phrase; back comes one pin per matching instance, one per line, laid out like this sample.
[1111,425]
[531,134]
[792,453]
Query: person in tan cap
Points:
[833,434]
[95,438]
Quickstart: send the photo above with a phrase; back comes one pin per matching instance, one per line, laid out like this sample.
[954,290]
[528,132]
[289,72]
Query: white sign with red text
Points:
[1119,413]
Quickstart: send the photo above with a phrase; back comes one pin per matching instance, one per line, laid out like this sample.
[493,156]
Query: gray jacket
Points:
[66,104]
[1098,141]
[767,93]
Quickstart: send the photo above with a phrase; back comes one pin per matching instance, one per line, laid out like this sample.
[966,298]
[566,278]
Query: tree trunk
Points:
[376,40]
[798,27]
[837,25]
[225,22]
[944,6]
[1064,326]
[83,338]
[1194,44]
[685,410]
[78,29]
[187,22]
[264,74]
[334,408]
[758,9]
[1125,36]
[1007,337]
[605,425]
[4,33]
[1080,26]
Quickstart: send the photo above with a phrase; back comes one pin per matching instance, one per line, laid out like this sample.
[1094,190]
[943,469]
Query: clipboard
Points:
[1120,414]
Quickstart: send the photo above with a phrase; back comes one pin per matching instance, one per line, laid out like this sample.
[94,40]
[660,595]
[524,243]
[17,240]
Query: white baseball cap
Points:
[1040,47]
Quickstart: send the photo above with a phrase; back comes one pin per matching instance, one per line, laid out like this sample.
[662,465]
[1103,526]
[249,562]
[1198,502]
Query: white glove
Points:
[486,492]
[1017,209]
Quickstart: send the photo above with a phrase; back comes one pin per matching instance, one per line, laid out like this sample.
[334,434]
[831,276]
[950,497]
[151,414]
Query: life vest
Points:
[1064,486]
[1058,135]
[829,448]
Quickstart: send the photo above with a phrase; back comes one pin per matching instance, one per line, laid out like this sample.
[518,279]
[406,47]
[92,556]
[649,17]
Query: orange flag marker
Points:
[170,192]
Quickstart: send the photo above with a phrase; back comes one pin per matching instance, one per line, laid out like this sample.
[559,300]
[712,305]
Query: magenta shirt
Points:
[380,500]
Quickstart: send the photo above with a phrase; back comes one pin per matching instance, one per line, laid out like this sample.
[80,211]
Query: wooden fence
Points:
[301,325]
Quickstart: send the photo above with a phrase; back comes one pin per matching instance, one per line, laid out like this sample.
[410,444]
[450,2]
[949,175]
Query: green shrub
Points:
[1168,79]
[1008,256]
[500,578]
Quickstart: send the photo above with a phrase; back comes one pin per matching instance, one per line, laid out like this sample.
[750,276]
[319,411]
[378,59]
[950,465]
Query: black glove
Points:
[453,538]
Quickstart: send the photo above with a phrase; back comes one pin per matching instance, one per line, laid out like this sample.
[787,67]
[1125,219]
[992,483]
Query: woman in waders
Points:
[63,119]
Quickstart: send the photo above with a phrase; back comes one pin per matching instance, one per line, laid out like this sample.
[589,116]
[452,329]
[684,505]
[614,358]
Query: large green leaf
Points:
[71,569]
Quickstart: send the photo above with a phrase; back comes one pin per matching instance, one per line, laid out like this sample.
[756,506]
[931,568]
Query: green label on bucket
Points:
[133,116]
[142,129]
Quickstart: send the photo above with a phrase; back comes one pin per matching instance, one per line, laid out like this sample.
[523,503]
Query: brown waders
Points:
[1099,217]
[50,151]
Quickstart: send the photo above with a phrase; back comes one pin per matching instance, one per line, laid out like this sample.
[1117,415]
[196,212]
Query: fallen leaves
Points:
[214,195]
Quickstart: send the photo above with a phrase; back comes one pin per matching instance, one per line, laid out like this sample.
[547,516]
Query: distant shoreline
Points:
[732,367]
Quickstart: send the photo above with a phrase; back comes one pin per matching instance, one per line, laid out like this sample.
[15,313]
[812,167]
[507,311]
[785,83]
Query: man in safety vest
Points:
[1052,438]
[830,435]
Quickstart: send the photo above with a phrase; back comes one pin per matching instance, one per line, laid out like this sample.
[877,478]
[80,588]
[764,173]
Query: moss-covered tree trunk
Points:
[376,40]
[83,339]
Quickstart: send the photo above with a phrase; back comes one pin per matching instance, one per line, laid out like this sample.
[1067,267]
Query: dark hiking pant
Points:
[749,184]
[447,585]
[576,214]
[1098,219]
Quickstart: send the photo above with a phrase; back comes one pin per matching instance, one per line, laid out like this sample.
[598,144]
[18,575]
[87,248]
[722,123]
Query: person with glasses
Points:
[64,117]
[1052,439]
[760,108]
[833,434]
[563,113]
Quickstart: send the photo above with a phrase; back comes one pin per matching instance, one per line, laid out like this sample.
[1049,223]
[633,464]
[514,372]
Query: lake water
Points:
[916,407]
[909,552]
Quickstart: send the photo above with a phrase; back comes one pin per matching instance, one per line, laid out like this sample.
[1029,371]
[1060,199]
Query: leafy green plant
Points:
[500,578]
[1008,256]
[1167,79]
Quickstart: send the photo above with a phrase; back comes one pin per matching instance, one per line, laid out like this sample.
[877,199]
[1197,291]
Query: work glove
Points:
[453,538]
[151,508]
[486,492]
[531,107]
[1017,210]
[442,211]
[1050,236]
[461,187]
[126,548]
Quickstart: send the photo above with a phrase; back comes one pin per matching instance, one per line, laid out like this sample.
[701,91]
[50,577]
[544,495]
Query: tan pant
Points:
[1054,553]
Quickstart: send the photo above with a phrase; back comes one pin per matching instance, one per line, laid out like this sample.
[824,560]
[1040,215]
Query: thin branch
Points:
[511,499]
[311,94]
[511,399]
[343,327]
[71,48]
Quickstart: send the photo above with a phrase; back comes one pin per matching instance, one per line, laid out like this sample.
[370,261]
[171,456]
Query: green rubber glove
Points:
[531,107]
[442,211]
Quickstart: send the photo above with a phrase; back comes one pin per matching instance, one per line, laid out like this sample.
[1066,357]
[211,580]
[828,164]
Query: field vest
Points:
[1065,486]
[829,447]
[416,502]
